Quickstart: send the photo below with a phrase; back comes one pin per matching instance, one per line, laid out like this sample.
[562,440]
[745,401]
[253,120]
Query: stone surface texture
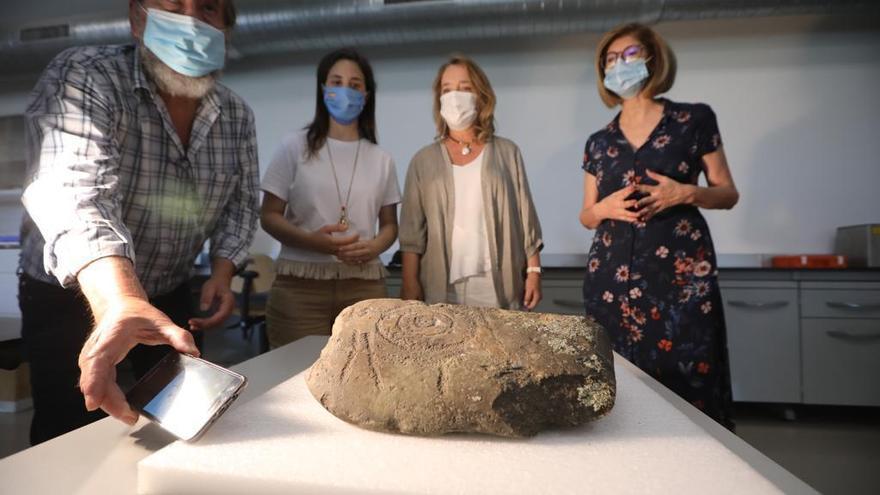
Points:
[407,367]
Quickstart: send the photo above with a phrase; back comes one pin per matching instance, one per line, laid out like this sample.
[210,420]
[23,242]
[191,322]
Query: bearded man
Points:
[136,156]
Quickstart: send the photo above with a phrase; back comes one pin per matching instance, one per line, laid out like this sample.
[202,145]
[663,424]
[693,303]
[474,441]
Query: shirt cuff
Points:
[71,252]
[236,254]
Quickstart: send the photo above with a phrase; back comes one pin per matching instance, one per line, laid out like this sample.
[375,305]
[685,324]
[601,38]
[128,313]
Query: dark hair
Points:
[320,126]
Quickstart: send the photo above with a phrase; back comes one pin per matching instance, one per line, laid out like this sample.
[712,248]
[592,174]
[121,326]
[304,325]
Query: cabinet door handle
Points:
[852,305]
[853,337]
[568,303]
[759,304]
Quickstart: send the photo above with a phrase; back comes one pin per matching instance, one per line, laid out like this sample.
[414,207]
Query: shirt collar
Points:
[614,125]
[138,76]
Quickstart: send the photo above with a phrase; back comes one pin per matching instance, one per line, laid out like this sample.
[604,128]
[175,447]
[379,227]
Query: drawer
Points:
[829,303]
[841,361]
[763,343]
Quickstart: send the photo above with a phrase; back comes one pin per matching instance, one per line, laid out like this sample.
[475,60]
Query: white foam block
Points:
[285,442]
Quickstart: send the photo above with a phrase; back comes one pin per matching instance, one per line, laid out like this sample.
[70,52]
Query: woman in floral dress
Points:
[652,278]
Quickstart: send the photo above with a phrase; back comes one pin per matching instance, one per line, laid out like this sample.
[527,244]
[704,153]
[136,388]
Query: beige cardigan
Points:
[511,221]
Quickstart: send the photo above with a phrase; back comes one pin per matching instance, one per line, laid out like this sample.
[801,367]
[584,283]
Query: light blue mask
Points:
[626,79]
[344,104]
[189,46]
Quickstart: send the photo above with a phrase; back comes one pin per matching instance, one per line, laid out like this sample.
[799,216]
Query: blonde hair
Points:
[660,61]
[484,124]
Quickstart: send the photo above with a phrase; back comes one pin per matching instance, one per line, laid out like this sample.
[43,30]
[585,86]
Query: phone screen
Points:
[184,395]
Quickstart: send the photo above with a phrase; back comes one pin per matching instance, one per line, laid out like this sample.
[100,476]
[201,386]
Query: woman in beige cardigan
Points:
[469,232]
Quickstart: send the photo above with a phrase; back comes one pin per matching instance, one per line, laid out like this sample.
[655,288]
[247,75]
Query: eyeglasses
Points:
[630,53]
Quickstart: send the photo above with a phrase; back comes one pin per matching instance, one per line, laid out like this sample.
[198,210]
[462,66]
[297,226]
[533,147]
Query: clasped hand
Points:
[348,249]
[667,193]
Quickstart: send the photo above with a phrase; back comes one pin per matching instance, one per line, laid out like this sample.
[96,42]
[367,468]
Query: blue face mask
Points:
[626,79]
[185,44]
[344,104]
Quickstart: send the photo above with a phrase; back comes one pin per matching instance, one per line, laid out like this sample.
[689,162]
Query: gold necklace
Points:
[343,214]
[466,147]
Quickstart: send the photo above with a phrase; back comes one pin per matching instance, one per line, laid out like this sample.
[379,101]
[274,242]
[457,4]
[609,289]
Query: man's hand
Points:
[124,319]
[215,293]
[125,322]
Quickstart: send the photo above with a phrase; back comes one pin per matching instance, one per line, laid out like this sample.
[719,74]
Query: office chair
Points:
[251,286]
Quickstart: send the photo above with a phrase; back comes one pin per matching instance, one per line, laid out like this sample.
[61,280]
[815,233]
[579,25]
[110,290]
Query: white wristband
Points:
[534,269]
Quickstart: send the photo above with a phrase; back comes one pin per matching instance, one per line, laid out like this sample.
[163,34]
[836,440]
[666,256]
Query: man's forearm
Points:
[108,281]
[223,269]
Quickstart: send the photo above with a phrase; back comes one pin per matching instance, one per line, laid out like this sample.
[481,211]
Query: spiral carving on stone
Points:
[435,326]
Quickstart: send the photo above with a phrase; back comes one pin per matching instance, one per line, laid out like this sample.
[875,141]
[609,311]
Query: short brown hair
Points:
[485,122]
[661,61]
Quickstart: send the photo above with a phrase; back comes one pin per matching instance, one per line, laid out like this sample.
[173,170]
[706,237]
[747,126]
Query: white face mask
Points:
[458,109]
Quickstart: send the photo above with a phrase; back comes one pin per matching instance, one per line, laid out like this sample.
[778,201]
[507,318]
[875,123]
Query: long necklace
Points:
[343,213]
[466,147]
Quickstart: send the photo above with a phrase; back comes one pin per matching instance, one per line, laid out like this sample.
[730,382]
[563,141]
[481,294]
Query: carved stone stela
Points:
[407,367]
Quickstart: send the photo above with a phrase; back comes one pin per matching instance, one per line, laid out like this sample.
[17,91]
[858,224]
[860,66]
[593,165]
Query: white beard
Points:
[174,83]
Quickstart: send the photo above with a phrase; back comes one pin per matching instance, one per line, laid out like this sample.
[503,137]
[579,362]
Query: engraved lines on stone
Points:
[352,346]
[409,328]
[440,384]
[374,372]
[360,347]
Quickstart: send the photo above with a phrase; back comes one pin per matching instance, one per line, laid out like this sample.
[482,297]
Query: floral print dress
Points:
[654,285]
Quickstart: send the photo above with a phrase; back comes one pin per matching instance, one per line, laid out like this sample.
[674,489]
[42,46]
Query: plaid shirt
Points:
[109,176]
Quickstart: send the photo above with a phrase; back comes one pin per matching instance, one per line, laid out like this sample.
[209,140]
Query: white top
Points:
[470,244]
[308,186]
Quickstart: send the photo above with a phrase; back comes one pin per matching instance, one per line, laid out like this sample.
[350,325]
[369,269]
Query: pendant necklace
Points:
[343,212]
[466,147]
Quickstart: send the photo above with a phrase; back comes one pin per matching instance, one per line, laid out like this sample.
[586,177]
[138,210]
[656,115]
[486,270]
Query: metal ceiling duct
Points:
[303,25]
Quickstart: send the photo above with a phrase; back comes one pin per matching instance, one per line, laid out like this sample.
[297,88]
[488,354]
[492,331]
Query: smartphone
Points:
[185,395]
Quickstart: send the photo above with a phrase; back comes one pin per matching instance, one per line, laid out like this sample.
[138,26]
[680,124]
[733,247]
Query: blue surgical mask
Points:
[344,104]
[626,79]
[185,44]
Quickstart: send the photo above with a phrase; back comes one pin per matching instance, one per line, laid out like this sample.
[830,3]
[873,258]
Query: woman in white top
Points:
[469,231]
[326,190]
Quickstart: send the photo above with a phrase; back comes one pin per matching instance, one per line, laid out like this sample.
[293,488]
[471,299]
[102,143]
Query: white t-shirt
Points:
[470,244]
[308,187]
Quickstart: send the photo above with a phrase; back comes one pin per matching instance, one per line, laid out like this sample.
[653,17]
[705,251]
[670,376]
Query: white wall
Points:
[796,101]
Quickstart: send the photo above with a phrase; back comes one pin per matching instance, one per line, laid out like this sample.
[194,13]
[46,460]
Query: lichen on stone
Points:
[597,395]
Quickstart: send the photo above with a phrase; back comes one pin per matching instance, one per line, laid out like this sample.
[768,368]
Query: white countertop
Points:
[103,457]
